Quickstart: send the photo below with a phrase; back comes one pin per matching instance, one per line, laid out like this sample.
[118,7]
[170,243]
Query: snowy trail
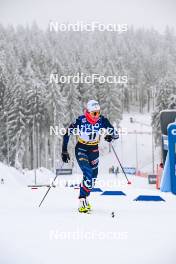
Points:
[57,233]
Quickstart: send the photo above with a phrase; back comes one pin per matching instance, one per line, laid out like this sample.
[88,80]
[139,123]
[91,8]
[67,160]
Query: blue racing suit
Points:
[86,150]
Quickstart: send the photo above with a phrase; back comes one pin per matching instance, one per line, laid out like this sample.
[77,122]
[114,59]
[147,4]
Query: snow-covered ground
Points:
[140,232]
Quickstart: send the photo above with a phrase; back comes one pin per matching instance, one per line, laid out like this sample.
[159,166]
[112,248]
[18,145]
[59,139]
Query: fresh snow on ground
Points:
[139,232]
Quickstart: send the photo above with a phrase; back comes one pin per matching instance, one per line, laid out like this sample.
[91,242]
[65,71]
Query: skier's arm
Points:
[65,155]
[68,133]
[112,133]
[66,138]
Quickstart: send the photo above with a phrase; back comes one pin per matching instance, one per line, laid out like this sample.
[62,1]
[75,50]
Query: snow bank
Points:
[12,177]
[43,176]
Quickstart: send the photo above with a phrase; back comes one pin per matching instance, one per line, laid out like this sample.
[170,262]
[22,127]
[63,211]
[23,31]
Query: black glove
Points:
[108,138]
[65,156]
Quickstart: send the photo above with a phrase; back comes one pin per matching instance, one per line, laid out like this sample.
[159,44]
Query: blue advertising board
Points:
[130,170]
[172,155]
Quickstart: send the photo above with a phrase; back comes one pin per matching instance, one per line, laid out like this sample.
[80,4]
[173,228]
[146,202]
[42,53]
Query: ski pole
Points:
[50,187]
[120,164]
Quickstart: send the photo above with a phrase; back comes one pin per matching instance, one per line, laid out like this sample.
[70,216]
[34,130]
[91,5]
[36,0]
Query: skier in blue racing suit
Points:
[87,127]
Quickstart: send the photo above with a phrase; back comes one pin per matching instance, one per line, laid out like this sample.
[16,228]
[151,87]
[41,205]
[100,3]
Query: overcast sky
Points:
[140,13]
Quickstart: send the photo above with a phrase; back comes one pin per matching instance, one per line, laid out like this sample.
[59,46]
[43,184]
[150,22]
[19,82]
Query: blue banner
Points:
[172,155]
[130,170]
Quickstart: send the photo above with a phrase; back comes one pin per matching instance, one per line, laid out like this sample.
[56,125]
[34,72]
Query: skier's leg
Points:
[83,161]
[93,156]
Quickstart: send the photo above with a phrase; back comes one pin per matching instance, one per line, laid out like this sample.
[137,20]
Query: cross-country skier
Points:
[87,128]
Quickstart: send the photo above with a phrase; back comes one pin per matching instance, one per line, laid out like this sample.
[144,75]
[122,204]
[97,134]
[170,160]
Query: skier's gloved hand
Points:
[65,156]
[108,138]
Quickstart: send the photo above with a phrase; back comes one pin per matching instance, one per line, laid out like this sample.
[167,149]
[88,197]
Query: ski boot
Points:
[82,206]
[88,205]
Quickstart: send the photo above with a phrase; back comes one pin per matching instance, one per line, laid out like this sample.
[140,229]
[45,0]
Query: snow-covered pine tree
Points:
[55,104]
[72,110]
[108,94]
[36,114]
[17,123]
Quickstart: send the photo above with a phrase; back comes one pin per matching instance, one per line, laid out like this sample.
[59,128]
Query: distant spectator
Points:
[131,119]
[117,170]
[2,181]
[113,169]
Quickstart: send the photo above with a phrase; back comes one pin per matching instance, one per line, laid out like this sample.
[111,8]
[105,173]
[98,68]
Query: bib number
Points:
[92,136]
